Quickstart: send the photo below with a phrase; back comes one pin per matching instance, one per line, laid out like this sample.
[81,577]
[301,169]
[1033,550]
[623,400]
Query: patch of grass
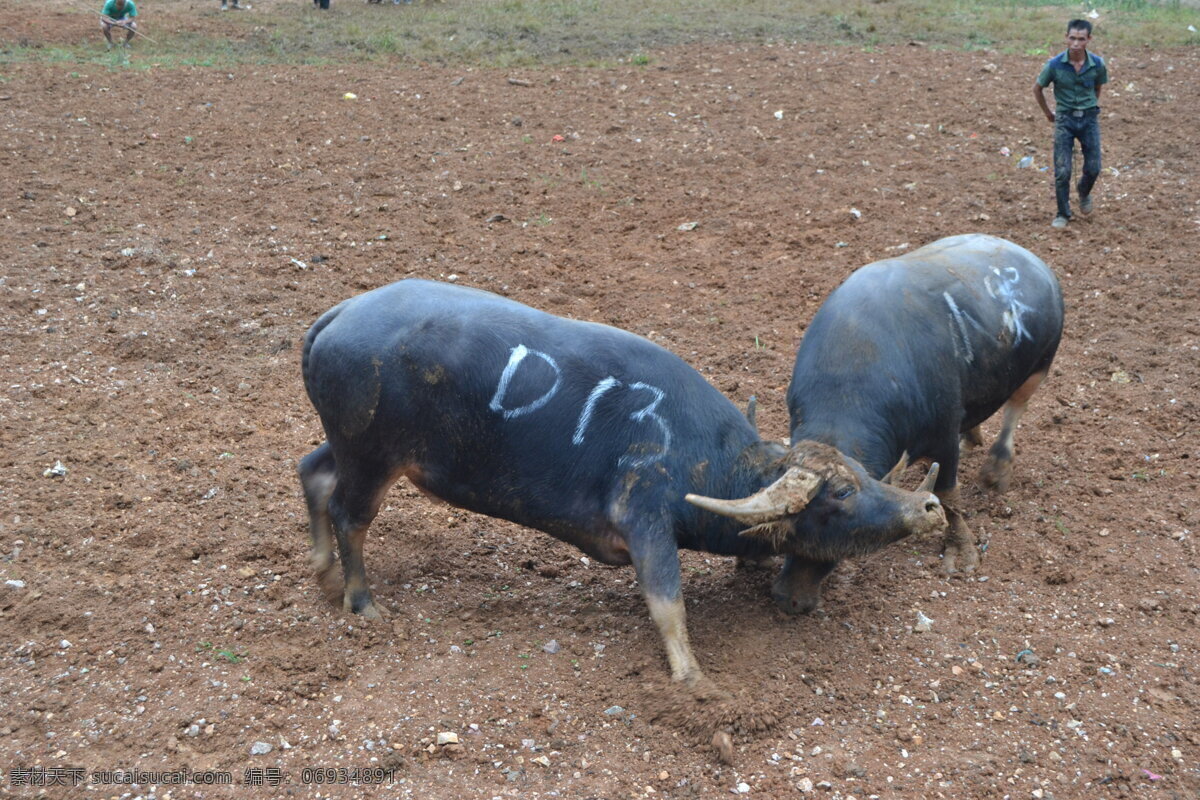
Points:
[589,182]
[515,33]
[223,653]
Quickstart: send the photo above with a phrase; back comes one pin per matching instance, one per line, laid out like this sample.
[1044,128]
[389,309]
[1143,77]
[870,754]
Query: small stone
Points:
[552,646]
[447,737]
[545,762]
[15,584]
[689,226]
[612,711]
[260,748]
[64,644]
[743,788]
[805,785]
[924,624]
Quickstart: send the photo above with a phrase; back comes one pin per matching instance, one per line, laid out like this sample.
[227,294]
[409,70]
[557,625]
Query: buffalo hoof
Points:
[363,607]
[996,474]
[330,581]
[797,604]
[960,556]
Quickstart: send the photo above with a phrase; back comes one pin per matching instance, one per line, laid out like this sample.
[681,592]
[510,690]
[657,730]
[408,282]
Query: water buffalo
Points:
[909,353]
[591,434]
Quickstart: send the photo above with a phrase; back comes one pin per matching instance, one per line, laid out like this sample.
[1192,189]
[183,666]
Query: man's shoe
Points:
[1085,204]
[1059,222]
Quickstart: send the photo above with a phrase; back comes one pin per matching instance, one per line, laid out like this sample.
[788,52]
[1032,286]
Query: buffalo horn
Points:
[930,479]
[896,471]
[788,495]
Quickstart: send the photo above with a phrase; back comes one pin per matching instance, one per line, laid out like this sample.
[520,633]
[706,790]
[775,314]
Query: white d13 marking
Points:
[515,358]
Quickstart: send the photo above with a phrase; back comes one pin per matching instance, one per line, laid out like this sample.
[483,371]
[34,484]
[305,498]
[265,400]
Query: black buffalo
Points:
[912,352]
[591,434]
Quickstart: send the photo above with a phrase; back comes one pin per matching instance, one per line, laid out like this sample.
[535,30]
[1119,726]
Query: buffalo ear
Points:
[773,533]
[895,472]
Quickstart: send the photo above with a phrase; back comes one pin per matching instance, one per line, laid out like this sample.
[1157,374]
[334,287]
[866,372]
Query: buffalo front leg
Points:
[960,553]
[656,561]
[997,471]
[318,477]
[797,589]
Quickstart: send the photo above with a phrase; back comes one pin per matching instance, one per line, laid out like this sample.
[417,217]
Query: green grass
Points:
[515,33]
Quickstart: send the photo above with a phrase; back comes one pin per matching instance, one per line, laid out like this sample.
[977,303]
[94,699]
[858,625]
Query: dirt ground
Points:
[168,237]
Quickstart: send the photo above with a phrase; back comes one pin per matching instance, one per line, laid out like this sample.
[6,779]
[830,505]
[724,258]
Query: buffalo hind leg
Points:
[997,472]
[318,477]
[797,590]
[971,439]
[353,505]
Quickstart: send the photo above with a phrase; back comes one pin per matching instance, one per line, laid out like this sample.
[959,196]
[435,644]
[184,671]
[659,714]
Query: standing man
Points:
[1077,76]
[118,14]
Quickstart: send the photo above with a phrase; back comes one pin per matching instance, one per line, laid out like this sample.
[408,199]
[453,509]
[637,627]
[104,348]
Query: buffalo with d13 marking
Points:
[912,352]
[591,434]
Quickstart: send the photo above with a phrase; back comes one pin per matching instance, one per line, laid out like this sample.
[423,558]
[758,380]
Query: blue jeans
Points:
[1066,130]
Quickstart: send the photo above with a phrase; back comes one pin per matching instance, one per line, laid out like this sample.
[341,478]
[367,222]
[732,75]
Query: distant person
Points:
[118,14]
[225,7]
[1077,76]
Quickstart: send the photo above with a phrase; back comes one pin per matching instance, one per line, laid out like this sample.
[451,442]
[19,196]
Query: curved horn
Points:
[896,471]
[930,479]
[788,495]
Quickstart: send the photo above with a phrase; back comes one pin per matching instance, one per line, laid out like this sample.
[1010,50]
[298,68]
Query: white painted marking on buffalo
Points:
[586,416]
[518,354]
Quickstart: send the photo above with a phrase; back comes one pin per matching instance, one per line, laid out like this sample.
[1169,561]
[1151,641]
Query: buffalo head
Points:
[826,507]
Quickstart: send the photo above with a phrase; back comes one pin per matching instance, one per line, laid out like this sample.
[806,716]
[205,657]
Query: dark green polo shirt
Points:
[1074,91]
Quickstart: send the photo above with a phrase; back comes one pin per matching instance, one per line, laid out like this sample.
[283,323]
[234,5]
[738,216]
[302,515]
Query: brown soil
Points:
[168,237]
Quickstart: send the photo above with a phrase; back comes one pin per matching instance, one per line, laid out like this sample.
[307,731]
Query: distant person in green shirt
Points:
[1078,77]
[118,14]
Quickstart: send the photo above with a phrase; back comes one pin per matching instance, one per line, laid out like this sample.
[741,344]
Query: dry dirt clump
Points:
[169,236]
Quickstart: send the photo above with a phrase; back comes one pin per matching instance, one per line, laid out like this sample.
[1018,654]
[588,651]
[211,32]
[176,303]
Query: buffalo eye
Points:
[843,492]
